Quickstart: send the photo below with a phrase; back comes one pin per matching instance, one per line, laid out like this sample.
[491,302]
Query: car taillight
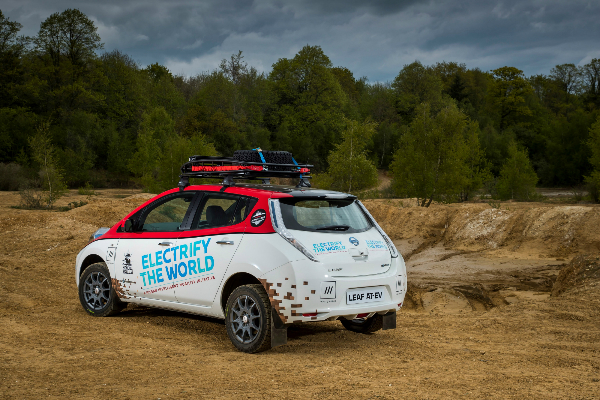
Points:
[312,314]
[388,241]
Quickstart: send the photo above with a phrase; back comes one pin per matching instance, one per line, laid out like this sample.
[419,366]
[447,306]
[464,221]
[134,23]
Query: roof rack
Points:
[230,168]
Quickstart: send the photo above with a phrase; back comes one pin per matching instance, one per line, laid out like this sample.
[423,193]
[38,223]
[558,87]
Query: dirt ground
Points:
[502,304]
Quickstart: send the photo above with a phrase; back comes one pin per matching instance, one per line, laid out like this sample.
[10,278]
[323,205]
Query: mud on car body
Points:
[261,257]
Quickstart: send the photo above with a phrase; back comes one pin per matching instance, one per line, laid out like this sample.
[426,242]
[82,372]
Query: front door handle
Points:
[225,242]
[165,243]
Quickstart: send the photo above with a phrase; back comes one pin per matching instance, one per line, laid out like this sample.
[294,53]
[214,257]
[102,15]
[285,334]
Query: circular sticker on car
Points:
[258,218]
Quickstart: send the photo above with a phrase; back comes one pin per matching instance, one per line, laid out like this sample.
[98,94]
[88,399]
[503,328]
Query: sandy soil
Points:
[481,318]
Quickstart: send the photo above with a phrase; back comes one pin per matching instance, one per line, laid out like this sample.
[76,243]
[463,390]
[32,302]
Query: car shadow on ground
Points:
[175,319]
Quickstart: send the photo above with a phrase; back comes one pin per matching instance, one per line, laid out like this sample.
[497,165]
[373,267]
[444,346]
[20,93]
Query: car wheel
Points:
[96,293]
[248,319]
[368,325]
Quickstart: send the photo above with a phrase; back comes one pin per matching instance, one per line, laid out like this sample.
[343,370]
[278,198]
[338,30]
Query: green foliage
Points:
[112,121]
[415,85]
[309,100]
[177,152]
[50,174]
[72,205]
[507,95]
[87,190]
[161,151]
[69,34]
[517,178]
[11,176]
[593,180]
[349,169]
[438,157]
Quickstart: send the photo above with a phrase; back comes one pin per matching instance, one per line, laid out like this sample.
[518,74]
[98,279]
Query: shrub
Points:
[10,176]
[31,195]
[517,178]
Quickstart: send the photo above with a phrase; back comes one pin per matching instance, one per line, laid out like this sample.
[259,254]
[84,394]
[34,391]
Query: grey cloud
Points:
[373,39]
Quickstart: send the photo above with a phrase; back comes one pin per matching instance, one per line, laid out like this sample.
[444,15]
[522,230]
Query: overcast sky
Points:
[371,38]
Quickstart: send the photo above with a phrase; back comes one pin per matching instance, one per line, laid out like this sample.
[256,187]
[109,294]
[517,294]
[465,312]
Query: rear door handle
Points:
[225,242]
[165,243]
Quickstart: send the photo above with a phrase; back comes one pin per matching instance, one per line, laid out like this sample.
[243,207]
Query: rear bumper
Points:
[298,292]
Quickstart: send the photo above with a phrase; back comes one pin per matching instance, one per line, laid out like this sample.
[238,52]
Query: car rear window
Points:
[323,215]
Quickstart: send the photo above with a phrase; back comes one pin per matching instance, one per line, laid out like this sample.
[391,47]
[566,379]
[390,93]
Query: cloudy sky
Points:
[371,38]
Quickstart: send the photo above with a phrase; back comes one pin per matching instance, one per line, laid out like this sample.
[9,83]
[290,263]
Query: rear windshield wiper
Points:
[334,228]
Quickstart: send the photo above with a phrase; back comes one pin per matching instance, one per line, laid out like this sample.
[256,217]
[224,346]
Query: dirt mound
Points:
[531,228]
[582,272]
[107,212]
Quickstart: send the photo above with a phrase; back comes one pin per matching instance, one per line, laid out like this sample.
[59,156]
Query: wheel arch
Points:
[234,281]
[89,260]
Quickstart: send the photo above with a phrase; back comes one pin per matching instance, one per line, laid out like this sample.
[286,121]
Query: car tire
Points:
[248,318]
[247,156]
[275,157]
[279,157]
[368,325]
[96,293]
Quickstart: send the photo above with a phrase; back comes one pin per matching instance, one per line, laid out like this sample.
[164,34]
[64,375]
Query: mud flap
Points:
[279,330]
[389,320]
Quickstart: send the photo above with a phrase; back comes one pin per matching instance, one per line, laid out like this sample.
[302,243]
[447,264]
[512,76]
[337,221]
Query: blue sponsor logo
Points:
[328,247]
[354,241]
[376,244]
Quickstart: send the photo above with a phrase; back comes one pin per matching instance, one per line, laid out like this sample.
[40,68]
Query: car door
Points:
[146,256]
[216,232]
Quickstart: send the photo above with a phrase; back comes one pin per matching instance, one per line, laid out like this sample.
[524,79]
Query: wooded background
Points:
[71,112]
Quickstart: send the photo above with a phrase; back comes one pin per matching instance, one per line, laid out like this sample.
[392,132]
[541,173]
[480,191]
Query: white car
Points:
[259,256]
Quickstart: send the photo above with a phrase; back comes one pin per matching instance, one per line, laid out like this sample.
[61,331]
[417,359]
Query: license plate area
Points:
[365,295]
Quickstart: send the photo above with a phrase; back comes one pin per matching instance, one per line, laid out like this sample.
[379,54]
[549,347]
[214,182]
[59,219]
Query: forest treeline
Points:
[70,111]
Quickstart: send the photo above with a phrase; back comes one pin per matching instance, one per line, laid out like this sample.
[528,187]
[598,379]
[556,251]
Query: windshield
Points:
[323,215]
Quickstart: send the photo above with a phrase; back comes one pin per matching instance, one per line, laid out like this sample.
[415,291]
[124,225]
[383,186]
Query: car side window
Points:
[217,209]
[168,214]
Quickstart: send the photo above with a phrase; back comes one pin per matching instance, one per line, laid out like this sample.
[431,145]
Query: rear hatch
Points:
[338,233]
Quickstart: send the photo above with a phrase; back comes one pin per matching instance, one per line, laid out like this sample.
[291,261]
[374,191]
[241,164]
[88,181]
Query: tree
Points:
[507,93]
[349,168]
[517,178]
[591,80]
[176,152]
[12,71]
[433,160]
[69,34]
[567,76]
[593,180]
[309,100]
[156,129]
[414,85]
[43,153]
[235,68]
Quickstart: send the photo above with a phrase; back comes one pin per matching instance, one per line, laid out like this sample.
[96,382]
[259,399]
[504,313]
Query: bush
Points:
[593,186]
[517,178]
[11,176]
[349,168]
[32,196]
[87,190]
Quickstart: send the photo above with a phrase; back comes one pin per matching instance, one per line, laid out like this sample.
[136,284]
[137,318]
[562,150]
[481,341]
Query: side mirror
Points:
[128,226]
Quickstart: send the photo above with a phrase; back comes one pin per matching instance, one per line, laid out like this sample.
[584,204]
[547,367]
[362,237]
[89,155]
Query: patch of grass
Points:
[72,205]
[495,204]
[87,190]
